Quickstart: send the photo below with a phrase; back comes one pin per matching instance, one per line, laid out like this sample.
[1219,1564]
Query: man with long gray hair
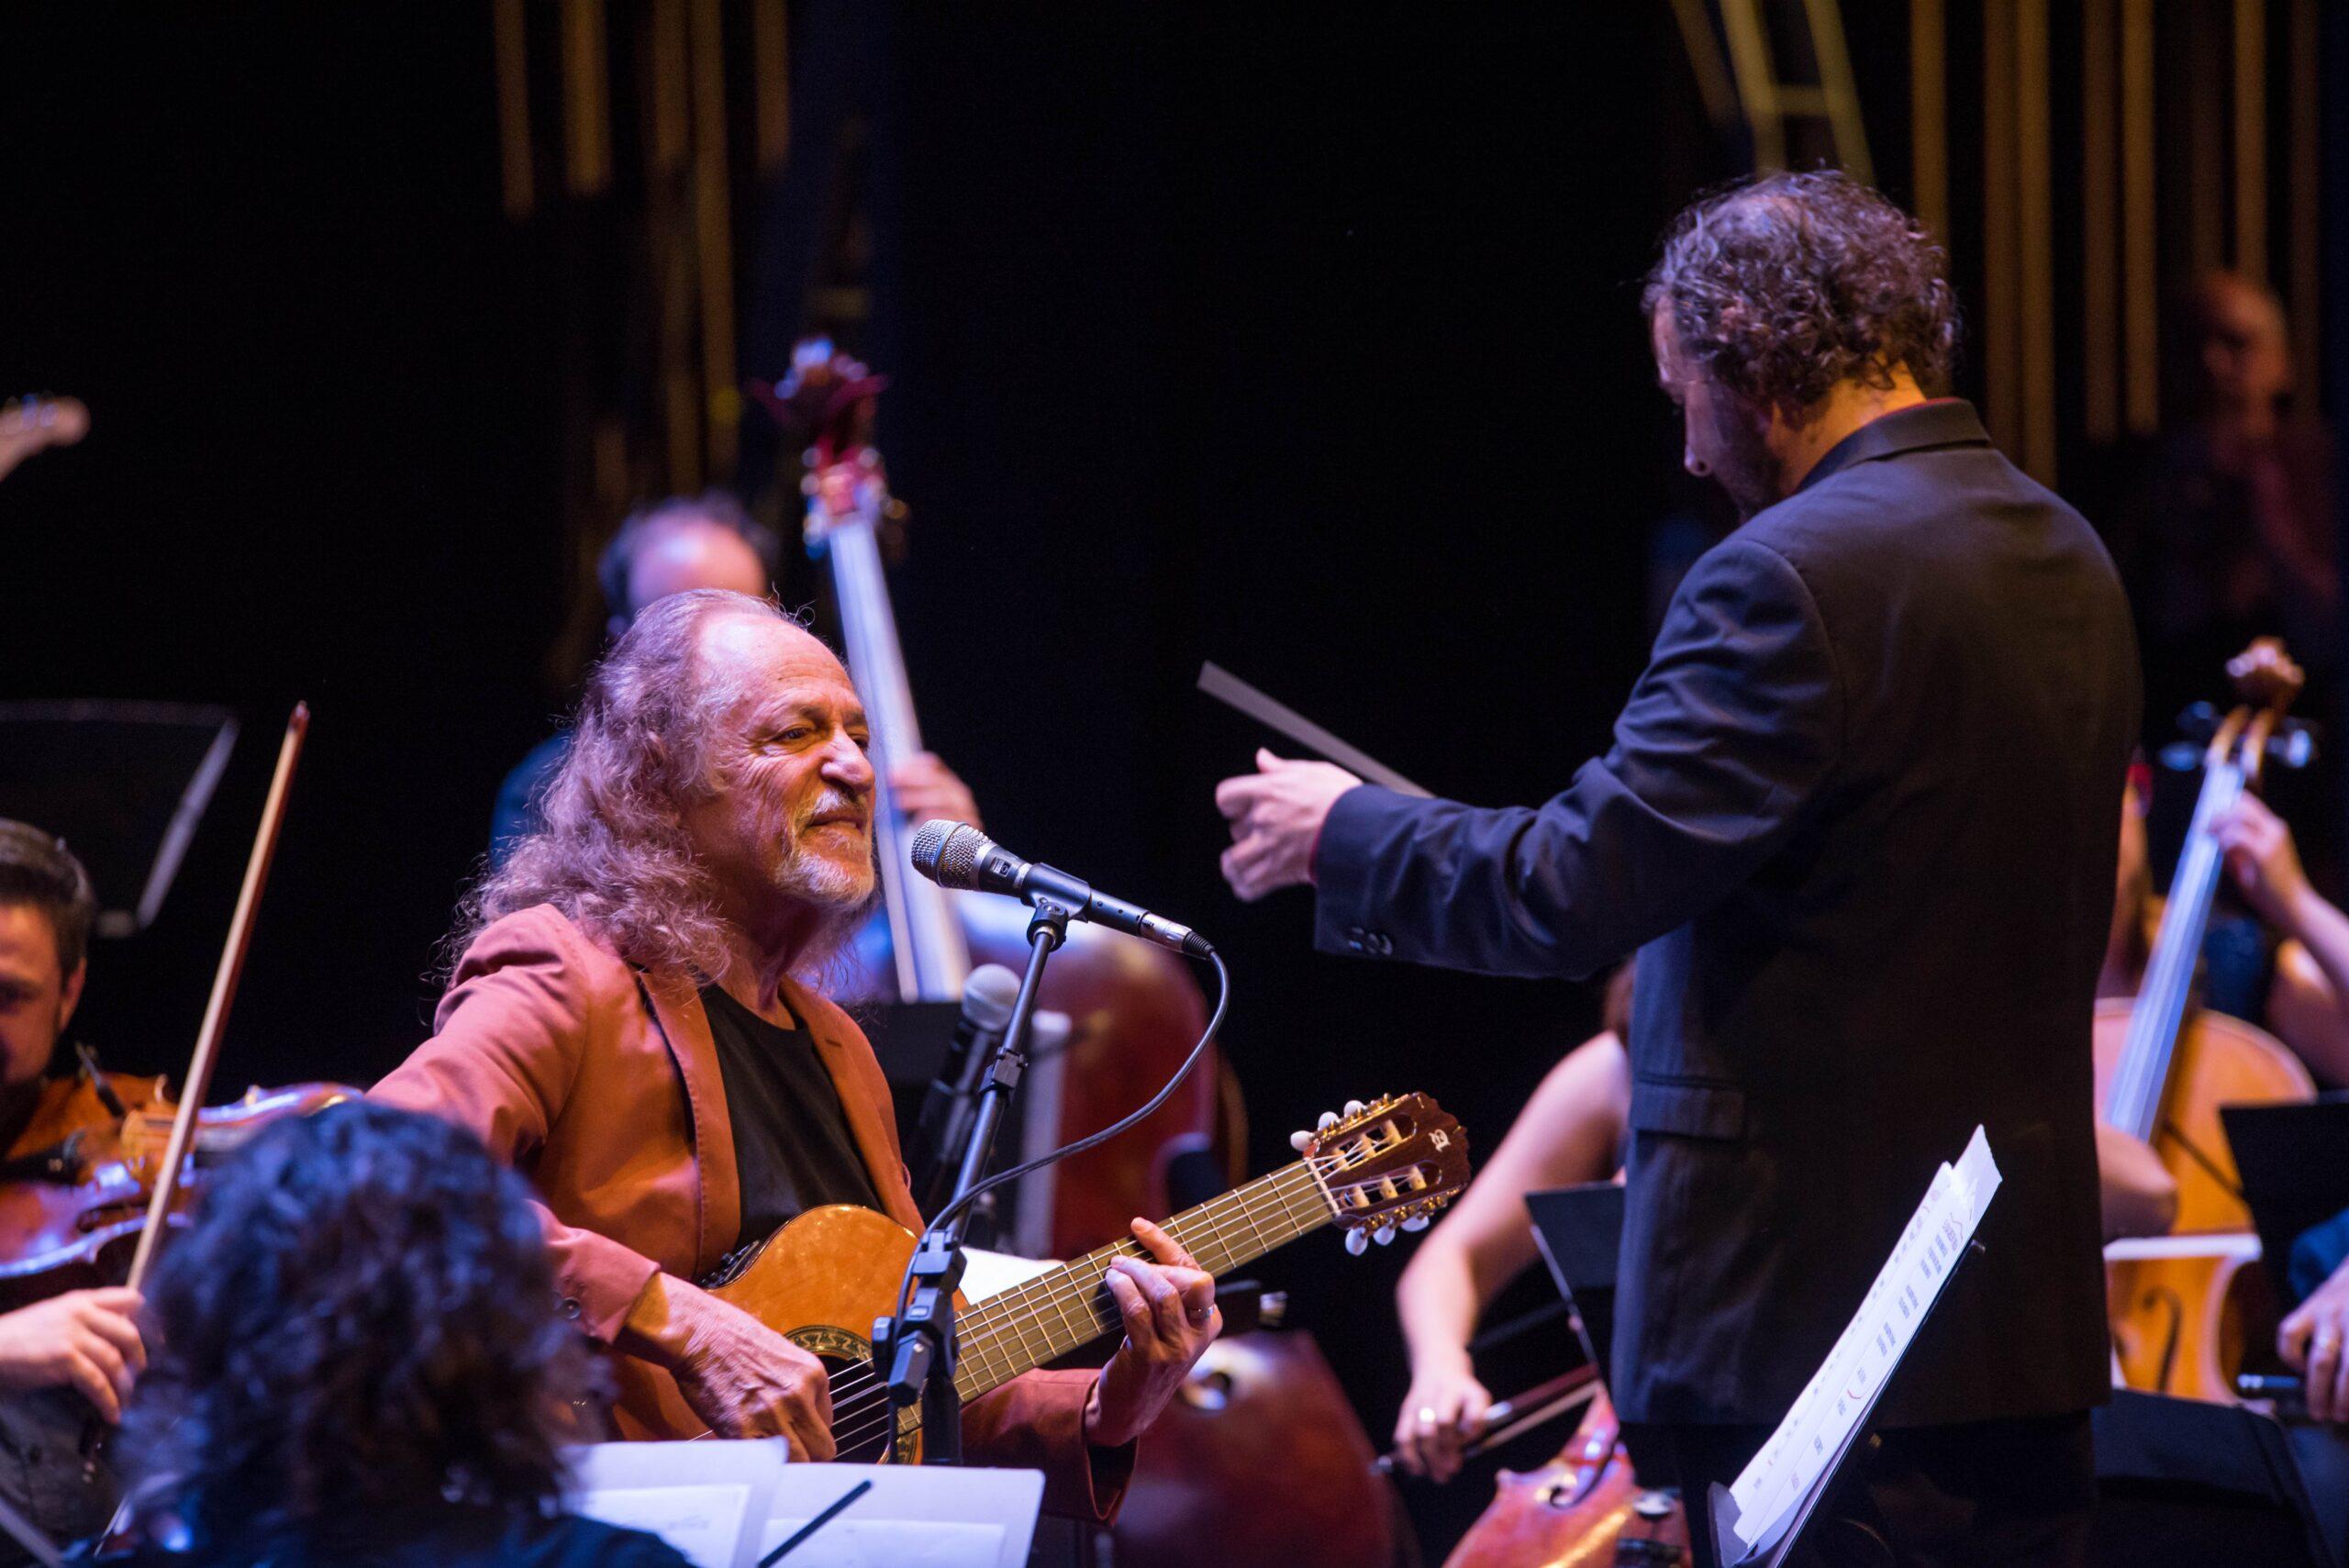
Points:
[631,1024]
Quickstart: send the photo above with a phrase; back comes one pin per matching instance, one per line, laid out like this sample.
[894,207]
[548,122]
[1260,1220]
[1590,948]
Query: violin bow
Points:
[1506,1419]
[198,1083]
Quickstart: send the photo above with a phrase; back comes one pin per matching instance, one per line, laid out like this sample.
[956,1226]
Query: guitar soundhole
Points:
[863,1418]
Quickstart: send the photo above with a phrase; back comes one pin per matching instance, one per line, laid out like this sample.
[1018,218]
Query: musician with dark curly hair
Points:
[359,1360]
[1857,824]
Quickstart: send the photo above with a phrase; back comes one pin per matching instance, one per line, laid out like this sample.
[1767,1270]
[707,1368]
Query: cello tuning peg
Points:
[1300,1141]
[1357,1243]
[1418,1222]
[1384,1235]
[1328,1120]
[1354,1107]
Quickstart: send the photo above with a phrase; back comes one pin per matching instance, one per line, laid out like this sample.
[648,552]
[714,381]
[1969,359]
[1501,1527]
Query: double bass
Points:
[1135,1011]
[2185,1307]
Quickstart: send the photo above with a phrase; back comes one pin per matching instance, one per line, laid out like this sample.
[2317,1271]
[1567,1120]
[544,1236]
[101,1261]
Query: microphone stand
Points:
[918,1346]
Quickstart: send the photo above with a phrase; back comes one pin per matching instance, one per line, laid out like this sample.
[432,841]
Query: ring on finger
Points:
[1427,1416]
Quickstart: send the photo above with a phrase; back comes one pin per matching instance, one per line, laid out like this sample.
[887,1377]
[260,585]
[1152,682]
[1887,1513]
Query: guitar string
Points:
[1277,1192]
[853,1387]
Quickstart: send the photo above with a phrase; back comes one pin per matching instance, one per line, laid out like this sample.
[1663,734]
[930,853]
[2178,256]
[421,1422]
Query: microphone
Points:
[957,855]
[988,995]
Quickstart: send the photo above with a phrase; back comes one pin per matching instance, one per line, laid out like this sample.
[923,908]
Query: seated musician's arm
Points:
[2313,1338]
[1571,1130]
[2305,1002]
[506,1049]
[1731,729]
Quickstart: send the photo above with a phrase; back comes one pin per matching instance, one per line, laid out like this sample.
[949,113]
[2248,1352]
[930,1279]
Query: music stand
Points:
[2294,1164]
[1579,1230]
[124,784]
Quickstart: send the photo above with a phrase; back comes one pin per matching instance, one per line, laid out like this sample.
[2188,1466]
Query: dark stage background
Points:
[1307,345]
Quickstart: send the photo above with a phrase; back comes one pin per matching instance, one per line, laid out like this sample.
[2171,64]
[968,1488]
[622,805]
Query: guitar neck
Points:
[1057,1311]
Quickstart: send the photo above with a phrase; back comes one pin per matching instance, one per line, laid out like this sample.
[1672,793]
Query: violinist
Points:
[84,1342]
[632,1023]
[671,547]
[1856,820]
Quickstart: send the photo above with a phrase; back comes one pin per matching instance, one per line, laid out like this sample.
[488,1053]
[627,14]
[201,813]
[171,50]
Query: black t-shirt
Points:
[792,1151]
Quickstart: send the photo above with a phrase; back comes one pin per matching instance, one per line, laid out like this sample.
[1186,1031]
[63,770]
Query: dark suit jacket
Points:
[1860,820]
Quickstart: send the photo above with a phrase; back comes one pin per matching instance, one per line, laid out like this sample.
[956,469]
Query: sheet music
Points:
[1830,1408]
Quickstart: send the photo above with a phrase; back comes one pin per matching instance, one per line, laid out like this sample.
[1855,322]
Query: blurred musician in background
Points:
[671,547]
[1857,822]
[2230,536]
[632,1023]
[87,1342]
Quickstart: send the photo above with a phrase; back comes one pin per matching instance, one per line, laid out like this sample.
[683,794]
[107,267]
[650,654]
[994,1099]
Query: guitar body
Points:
[2180,1325]
[819,1281]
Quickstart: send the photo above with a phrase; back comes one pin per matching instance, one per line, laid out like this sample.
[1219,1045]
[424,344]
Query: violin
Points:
[2184,1308]
[75,1186]
[107,1163]
[1135,1011]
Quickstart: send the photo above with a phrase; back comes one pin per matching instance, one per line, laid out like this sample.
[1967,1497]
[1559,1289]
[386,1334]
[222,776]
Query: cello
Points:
[2184,1308]
[1135,1011]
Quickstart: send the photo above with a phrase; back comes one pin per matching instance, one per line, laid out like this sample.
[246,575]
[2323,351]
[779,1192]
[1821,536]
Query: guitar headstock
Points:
[32,425]
[1391,1162]
[2264,675]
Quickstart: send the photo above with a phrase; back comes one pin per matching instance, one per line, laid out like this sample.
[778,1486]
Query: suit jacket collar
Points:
[1943,422]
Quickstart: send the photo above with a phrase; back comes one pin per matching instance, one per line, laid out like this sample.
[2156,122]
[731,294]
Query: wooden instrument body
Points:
[76,1229]
[823,1279]
[1261,1452]
[1583,1508]
[2180,1326]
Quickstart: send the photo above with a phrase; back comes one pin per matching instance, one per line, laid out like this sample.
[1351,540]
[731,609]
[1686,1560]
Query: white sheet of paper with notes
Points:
[1828,1413]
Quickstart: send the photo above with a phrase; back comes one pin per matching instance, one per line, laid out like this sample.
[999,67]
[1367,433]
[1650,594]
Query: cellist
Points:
[82,1340]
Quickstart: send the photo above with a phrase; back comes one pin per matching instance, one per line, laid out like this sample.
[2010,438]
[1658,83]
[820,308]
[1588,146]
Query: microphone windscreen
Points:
[948,852]
[989,995]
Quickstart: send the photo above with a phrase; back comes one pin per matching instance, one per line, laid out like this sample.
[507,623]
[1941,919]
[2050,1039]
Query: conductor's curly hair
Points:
[362,1316]
[1782,286]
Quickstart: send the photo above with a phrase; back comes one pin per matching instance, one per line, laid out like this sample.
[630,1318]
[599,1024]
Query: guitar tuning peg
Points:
[1357,1243]
[1418,1222]
[1384,1235]
[1300,1141]
[1353,1107]
[1328,1120]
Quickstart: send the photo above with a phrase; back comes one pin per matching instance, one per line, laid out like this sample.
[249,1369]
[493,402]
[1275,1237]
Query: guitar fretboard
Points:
[1053,1314]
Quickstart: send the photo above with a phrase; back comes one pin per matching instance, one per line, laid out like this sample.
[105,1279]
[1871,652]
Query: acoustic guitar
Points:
[32,425]
[822,1279]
